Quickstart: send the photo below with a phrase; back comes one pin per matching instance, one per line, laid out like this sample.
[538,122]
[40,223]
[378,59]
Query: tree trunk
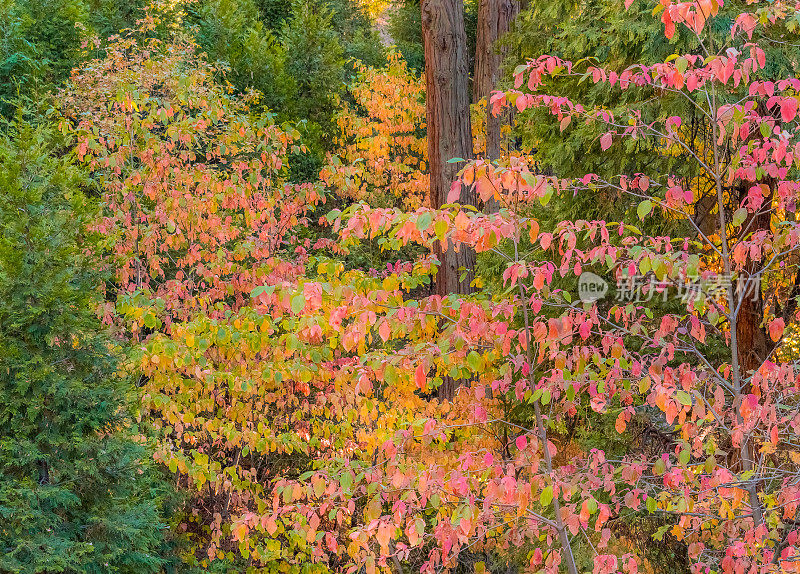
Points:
[494,20]
[449,131]
[754,342]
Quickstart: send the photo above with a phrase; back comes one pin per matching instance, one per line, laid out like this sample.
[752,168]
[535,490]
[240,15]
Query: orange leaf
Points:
[620,424]
[534,231]
[384,535]
[240,531]
[776,327]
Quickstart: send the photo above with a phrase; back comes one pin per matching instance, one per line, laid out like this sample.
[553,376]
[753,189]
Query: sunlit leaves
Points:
[382,149]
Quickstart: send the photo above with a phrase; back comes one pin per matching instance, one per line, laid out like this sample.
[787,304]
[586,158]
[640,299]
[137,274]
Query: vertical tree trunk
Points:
[449,131]
[754,342]
[494,20]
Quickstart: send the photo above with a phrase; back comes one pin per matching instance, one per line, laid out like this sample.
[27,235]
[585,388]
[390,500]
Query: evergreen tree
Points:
[76,491]
[40,40]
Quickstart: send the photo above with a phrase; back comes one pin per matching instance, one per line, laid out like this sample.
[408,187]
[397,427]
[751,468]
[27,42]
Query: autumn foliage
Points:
[195,188]
[295,396]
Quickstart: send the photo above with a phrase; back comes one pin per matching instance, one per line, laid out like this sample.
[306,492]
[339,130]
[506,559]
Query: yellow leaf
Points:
[240,531]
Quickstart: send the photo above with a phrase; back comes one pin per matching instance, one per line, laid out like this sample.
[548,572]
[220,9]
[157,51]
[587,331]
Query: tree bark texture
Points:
[494,20]
[449,132]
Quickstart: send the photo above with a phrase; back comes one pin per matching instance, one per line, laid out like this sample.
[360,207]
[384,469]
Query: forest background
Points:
[301,286]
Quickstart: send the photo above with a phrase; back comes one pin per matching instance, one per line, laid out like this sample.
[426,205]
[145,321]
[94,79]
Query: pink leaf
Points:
[788,109]
[605,141]
[384,331]
[455,192]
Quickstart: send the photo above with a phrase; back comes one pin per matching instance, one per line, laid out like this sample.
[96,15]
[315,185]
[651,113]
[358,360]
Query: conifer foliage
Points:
[77,493]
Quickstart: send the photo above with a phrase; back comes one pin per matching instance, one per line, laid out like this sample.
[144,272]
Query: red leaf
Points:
[420,376]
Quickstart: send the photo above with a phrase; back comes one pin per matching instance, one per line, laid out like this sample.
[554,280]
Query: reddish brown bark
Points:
[754,344]
[449,131]
[494,20]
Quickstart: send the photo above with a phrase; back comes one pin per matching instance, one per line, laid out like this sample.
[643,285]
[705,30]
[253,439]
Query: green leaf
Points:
[440,228]
[651,504]
[424,221]
[546,497]
[765,129]
[739,216]
[390,374]
[644,208]
[298,303]
[475,361]
[683,458]
[346,480]
[548,195]
[684,398]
